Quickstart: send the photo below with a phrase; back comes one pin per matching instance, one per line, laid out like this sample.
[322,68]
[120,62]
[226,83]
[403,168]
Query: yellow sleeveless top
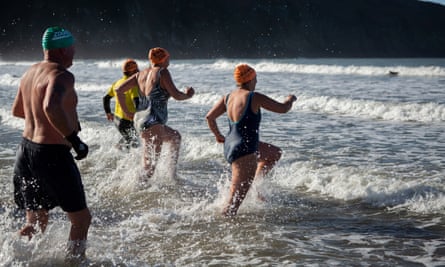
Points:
[129,96]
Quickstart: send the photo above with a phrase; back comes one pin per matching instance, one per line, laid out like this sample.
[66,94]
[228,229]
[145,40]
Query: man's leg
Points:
[80,223]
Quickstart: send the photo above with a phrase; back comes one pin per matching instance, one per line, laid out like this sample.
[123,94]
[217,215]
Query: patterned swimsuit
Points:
[152,109]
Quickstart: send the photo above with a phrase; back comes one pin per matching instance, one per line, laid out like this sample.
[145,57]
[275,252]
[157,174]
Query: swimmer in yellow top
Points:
[124,123]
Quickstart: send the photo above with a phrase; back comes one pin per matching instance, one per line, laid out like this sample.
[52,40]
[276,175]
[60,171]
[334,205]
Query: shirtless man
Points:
[45,173]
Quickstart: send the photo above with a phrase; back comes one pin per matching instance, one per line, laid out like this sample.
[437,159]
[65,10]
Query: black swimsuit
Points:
[243,136]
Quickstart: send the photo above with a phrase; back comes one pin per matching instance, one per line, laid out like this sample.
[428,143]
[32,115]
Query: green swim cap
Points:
[56,37]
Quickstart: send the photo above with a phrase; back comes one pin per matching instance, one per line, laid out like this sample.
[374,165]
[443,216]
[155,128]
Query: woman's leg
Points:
[268,156]
[153,139]
[243,172]
[152,144]
[173,137]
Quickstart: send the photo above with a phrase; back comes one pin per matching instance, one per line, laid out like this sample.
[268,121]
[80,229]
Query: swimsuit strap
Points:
[227,99]
[249,98]
[248,104]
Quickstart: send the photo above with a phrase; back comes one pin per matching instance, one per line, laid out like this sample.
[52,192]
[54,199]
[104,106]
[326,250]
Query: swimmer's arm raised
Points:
[274,106]
[167,83]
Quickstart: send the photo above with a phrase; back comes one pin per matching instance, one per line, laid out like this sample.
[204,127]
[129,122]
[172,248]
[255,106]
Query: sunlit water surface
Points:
[360,183]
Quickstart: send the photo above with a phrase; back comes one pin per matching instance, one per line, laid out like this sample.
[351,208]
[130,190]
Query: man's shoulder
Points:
[51,68]
[62,74]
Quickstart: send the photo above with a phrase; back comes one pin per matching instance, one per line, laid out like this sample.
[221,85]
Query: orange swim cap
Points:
[130,66]
[244,73]
[158,55]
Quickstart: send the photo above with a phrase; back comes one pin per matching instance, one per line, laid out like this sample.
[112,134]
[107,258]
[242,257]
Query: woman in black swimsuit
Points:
[248,156]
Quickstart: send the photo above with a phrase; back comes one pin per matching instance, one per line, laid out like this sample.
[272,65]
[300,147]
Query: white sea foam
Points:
[8,79]
[392,111]
[331,69]
[7,119]
[366,184]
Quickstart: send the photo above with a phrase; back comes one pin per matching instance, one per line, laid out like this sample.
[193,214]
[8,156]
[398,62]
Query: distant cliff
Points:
[228,28]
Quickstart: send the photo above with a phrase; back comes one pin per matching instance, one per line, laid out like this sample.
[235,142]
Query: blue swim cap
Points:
[56,37]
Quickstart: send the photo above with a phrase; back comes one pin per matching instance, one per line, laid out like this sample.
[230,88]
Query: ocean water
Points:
[361,181]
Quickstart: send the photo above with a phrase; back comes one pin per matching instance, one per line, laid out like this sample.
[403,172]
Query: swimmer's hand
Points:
[189,91]
[110,116]
[291,98]
[80,147]
[220,138]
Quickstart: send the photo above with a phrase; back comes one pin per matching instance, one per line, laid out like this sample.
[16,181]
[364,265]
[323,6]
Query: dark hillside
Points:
[229,29]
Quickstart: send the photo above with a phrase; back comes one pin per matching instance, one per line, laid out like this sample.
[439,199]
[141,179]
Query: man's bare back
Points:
[47,102]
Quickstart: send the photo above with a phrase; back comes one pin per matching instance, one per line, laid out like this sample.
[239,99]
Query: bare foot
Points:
[28,230]
[229,211]
[144,178]
[75,252]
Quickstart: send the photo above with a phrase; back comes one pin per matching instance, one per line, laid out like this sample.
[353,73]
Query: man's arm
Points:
[53,104]
[17,106]
[60,108]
